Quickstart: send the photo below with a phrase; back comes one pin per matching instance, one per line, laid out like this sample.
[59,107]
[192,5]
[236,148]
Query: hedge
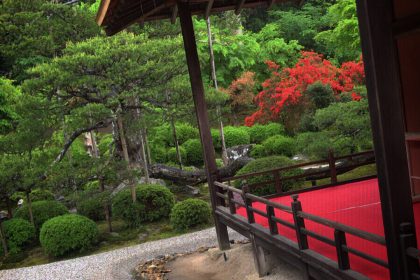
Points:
[68,233]
[18,233]
[153,203]
[91,207]
[189,213]
[40,194]
[269,163]
[235,136]
[194,152]
[259,132]
[172,156]
[279,145]
[42,211]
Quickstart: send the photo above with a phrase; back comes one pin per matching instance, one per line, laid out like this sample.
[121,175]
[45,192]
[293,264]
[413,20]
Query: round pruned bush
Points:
[189,213]
[279,145]
[235,136]
[194,152]
[260,132]
[91,207]
[18,233]
[217,141]
[268,163]
[153,202]
[40,194]
[258,151]
[42,211]
[66,234]
[185,132]
[172,156]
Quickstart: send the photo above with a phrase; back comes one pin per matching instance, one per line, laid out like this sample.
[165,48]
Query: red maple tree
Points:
[286,86]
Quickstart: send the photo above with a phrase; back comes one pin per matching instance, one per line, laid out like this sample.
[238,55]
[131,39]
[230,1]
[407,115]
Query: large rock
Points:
[152,181]
[236,152]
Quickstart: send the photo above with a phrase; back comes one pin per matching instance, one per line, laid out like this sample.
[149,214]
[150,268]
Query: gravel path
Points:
[117,264]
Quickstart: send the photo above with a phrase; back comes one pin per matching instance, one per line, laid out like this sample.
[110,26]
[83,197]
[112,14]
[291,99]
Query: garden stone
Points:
[152,181]
[233,153]
[214,253]
[114,234]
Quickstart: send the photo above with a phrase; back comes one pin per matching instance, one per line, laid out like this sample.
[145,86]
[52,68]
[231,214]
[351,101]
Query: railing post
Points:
[342,255]
[299,223]
[271,223]
[232,206]
[277,181]
[407,238]
[248,203]
[333,170]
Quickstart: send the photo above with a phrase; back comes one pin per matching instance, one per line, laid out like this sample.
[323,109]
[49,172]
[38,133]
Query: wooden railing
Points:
[298,225]
[334,166]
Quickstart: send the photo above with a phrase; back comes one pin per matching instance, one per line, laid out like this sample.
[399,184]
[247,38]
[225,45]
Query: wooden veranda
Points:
[390,35]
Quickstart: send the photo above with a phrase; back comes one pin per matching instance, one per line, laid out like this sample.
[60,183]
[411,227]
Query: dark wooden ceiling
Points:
[115,15]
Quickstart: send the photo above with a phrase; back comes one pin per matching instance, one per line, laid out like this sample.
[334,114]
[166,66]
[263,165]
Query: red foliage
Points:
[285,87]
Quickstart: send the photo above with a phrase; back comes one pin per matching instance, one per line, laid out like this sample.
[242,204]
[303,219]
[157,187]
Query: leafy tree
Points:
[342,40]
[36,31]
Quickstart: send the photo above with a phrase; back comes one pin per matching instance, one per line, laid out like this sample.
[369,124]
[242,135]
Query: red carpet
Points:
[355,204]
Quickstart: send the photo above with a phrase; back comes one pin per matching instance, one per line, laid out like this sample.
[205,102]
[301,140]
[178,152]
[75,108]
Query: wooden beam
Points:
[202,116]
[239,6]
[103,9]
[385,106]
[174,14]
[406,26]
[208,9]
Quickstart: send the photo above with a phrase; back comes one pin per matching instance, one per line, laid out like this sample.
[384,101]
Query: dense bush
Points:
[321,95]
[258,151]
[68,233]
[18,233]
[217,141]
[153,203]
[185,132]
[194,152]
[172,157]
[40,194]
[279,145]
[158,153]
[91,186]
[235,136]
[189,213]
[91,207]
[269,163]
[259,132]
[42,211]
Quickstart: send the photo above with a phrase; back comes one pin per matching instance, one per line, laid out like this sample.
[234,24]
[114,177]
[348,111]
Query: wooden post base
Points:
[260,258]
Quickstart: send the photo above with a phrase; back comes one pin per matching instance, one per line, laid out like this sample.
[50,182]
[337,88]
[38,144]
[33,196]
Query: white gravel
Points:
[117,264]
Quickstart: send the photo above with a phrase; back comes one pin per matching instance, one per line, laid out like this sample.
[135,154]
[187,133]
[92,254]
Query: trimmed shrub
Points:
[39,194]
[158,153]
[189,213]
[185,132]
[258,151]
[153,203]
[172,157]
[235,136]
[194,152]
[18,233]
[68,233]
[269,163]
[279,145]
[91,207]
[217,141]
[320,94]
[42,211]
[259,132]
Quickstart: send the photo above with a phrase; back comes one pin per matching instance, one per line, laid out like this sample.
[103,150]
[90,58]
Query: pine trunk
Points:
[31,215]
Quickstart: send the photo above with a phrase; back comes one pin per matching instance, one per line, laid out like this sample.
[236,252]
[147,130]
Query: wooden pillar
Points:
[385,106]
[202,117]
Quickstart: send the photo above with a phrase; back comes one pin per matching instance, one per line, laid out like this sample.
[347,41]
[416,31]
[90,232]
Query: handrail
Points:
[286,168]
[302,233]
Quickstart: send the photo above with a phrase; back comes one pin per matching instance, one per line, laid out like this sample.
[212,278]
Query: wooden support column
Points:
[202,117]
[385,106]
[260,257]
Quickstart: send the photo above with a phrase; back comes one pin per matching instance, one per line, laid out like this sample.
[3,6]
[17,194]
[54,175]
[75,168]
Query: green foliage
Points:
[158,153]
[279,145]
[18,233]
[268,163]
[91,207]
[40,194]
[217,141]
[260,132]
[258,151]
[343,39]
[42,211]
[235,136]
[189,213]
[194,152]
[153,203]
[185,132]
[68,233]
[8,96]
[172,157]
[320,94]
